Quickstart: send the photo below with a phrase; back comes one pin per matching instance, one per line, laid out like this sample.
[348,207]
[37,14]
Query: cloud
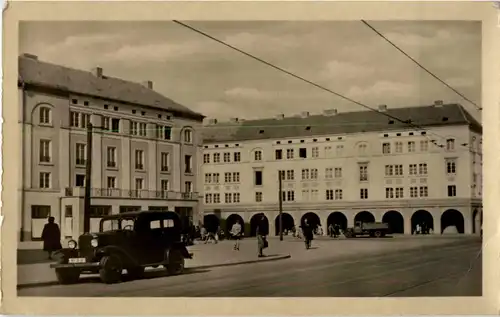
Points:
[342,69]
[249,93]
[383,89]
[262,42]
[460,82]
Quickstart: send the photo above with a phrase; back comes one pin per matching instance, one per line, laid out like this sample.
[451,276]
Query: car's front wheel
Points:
[175,264]
[111,269]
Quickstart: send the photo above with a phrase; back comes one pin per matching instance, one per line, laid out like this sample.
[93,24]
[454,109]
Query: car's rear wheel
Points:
[378,234]
[175,262]
[136,272]
[111,269]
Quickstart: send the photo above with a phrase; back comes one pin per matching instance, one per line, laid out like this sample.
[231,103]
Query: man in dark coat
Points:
[307,230]
[51,236]
[261,232]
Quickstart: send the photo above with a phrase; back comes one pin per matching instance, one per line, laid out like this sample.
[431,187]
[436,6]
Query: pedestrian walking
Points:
[51,236]
[261,232]
[236,233]
[336,231]
[331,230]
[307,230]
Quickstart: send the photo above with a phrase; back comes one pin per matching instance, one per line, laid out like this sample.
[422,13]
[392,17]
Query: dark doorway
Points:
[288,223]
[312,218]
[211,222]
[422,218]
[231,220]
[255,221]
[338,218]
[452,218]
[364,216]
[395,220]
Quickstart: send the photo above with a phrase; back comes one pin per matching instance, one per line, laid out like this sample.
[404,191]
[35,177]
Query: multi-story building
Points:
[145,147]
[339,168]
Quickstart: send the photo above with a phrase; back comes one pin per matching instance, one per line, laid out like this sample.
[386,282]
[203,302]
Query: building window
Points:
[188,187]
[227,157]
[216,178]
[236,177]
[208,178]
[288,195]
[314,173]
[258,178]
[281,175]
[290,175]
[363,172]
[79,120]
[138,128]
[217,198]
[111,182]
[424,191]
[111,156]
[188,136]
[398,170]
[363,193]
[45,151]
[451,167]
[45,115]
[411,146]
[236,197]
[450,144]
[305,195]
[163,132]
[81,153]
[258,155]
[328,151]
[362,149]
[386,148]
[227,198]
[208,198]
[216,157]
[338,172]
[305,173]
[422,169]
[314,194]
[339,150]
[389,193]
[139,184]
[389,170]
[338,194]
[279,154]
[139,159]
[258,197]
[328,172]
[424,146]
[315,152]
[237,156]
[80,180]
[399,147]
[227,177]
[452,190]
[399,192]
[329,194]
[44,180]
[115,125]
[40,212]
[303,153]
[165,161]
[206,158]
[289,154]
[413,192]
[413,169]
[188,164]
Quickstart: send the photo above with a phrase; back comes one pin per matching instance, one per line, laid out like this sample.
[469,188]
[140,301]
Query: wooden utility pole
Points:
[280,197]
[88,176]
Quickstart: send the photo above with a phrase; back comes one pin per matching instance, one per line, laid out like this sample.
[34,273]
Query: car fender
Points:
[124,255]
[182,248]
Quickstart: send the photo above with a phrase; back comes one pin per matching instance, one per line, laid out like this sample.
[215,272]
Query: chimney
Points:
[304,114]
[97,72]
[280,116]
[234,120]
[330,112]
[148,84]
[30,56]
[438,103]
[382,108]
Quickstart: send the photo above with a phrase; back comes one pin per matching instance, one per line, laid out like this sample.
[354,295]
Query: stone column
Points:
[407,223]
[437,221]
[468,220]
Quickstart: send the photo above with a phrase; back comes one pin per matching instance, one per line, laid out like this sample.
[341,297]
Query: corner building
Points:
[344,167]
[144,154]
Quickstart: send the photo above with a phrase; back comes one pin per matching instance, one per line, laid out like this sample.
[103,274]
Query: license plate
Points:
[76,260]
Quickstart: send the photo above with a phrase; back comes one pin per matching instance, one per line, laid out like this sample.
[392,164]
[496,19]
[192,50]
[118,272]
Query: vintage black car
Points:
[128,241]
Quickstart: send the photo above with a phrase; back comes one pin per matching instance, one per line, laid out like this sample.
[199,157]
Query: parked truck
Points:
[372,229]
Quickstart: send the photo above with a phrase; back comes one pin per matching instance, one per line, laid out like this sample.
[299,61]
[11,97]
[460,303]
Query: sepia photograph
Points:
[250,159]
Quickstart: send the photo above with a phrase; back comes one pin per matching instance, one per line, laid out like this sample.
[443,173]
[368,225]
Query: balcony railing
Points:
[131,193]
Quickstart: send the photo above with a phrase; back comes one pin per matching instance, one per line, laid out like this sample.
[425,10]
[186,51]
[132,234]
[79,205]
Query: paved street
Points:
[441,270]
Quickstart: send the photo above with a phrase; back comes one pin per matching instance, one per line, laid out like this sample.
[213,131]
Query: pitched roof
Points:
[38,73]
[341,123]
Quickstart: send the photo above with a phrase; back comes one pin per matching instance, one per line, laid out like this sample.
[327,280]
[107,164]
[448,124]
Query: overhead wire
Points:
[407,122]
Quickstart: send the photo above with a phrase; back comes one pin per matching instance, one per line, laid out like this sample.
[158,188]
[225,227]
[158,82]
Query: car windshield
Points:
[115,224]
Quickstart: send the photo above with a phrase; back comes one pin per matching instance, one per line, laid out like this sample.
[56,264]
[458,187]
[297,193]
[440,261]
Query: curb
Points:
[265,259]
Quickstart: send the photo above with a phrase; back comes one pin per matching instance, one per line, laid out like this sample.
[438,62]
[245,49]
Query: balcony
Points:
[130,193]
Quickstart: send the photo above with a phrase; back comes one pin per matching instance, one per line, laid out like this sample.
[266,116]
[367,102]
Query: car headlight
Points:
[94,243]
[72,244]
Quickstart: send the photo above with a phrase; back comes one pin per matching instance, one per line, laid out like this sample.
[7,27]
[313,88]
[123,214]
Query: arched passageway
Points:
[312,219]
[364,216]
[395,220]
[257,221]
[477,221]
[288,222]
[337,218]
[231,220]
[211,222]
[424,219]
[452,221]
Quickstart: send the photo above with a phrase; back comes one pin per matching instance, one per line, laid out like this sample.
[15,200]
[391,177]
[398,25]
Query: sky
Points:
[346,57]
